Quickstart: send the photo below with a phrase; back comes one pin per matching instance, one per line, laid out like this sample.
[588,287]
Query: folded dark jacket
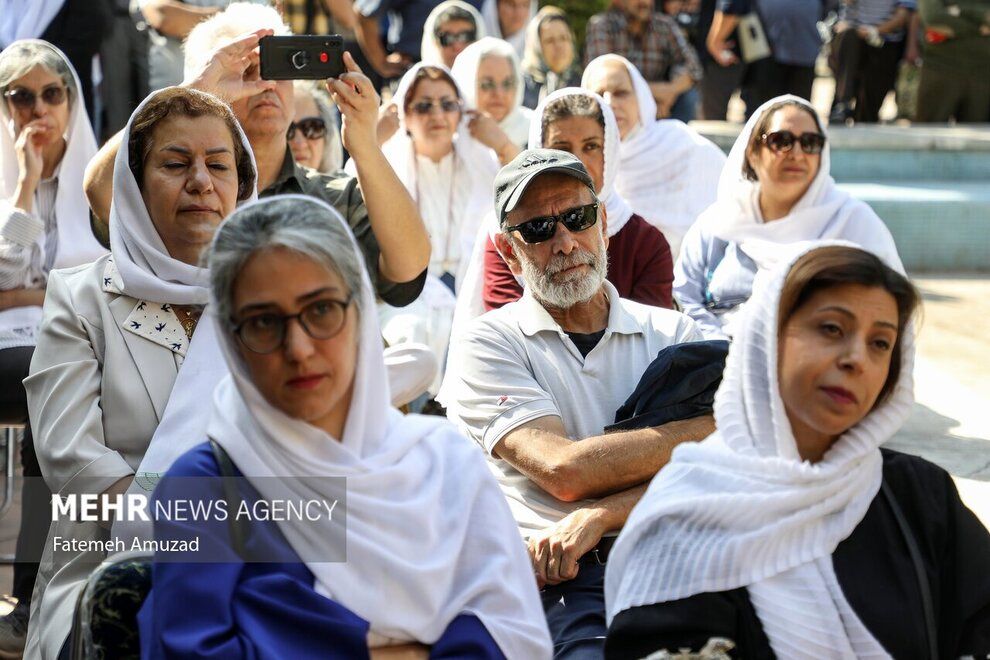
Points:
[680,383]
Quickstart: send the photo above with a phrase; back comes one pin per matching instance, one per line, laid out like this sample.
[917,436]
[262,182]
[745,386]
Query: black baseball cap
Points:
[513,179]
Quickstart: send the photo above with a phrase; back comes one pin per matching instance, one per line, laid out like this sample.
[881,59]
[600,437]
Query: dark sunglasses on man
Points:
[25,98]
[313,128]
[783,141]
[426,107]
[448,39]
[542,228]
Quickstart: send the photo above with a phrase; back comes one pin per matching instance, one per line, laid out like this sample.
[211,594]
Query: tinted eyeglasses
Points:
[489,85]
[25,98]
[783,141]
[447,39]
[537,230]
[265,333]
[313,128]
[426,107]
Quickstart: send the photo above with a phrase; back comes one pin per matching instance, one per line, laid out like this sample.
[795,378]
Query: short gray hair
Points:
[301,225]
[17,60]
[237,19]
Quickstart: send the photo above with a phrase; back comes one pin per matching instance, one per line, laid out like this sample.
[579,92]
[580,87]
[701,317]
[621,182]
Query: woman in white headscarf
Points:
[507,19]
[668,172]
[775,190]
[451,27]
[489,75]
[551,60]
[432,566]
[789,532]
[117,331]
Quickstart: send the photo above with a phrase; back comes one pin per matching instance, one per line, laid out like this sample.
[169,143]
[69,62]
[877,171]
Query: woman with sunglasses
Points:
[775,190]
[429,562]
[45,143]
[451,27]
[313,135]
[488,72]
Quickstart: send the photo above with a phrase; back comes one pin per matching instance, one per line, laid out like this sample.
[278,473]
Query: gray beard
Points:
[564,291]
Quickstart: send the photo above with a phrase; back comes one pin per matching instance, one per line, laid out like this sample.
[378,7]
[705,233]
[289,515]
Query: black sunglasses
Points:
[783,141]
[321,319]
[25,98]
[537,230]
[451,38]
[426,107]
[312,128]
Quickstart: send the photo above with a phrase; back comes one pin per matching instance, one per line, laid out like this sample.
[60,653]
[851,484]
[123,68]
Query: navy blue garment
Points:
[406,19]
[256,610]
[575,612]
[679,384]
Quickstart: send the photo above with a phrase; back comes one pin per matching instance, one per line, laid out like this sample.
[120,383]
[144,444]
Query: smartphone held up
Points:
[302,57]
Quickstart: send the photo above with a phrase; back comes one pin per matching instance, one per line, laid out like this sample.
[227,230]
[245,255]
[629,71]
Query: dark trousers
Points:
[124,58]
[717,88]
[35,496]
[863,74]
[576,613]
[769,78]
[944,93]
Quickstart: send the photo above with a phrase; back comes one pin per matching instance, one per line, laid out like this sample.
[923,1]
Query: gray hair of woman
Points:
[333,150]
[303,226]
[17,60]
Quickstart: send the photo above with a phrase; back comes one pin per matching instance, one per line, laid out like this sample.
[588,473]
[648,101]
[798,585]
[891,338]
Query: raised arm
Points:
[174,19]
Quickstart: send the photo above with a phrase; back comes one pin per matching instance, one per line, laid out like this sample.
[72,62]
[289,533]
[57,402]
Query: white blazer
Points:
[96,393]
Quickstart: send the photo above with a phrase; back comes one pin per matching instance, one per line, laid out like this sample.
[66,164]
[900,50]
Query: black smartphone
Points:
[302,57]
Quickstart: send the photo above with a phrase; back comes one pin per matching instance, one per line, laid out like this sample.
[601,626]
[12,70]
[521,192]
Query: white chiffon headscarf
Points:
[429,52]
[76,243]
[465,71]
[428,536]
[667,171]
[824,212]
[741,509]
[489,12]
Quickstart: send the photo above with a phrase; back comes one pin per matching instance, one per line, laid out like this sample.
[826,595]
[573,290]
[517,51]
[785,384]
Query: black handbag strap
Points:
[238,533]
[919,569]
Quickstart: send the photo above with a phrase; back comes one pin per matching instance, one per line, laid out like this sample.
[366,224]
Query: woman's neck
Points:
[433,151]
[51,158]
[774,208]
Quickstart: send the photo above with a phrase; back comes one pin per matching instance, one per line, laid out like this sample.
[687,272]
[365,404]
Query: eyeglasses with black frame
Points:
[313,128]
[445,105]
[542,228]
[25,98]
[783,142]
[321,319]
[448,39]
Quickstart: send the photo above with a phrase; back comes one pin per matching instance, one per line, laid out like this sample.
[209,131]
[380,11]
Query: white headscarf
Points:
[26,20]
[516,122]
[76,243]
[824,212]
[741,509]
[489,11]
[429,535]
[618,210]
[667,172]
[429,52]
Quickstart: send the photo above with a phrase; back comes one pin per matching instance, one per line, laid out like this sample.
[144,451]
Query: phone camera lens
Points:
[300,59]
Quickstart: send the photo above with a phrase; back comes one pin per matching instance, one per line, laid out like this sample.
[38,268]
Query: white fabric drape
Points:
[429,52]
[824,212]
[429,536]
[26,20]
[76,243]
[465,71]
[667,172]
[741,509]
[489,12]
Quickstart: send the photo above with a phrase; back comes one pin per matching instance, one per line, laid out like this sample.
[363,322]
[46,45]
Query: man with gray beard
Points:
[536,382]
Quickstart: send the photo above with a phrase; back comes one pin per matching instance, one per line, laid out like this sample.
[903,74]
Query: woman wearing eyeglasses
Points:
[432,565]
[117,332]
[45,143]
[451,27]
[775,190]
[488,72]
[313,135]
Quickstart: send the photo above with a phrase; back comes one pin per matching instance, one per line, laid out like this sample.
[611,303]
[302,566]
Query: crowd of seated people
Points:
[584,386]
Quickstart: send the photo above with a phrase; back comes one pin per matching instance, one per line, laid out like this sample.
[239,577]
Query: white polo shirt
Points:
[515,364]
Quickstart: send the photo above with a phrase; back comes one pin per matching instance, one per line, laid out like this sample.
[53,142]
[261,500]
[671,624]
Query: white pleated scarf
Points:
[465,71]
[741,509]
[429,535]
[429,51]
[489,12]
[824,212]
[76,243]
[667,172]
